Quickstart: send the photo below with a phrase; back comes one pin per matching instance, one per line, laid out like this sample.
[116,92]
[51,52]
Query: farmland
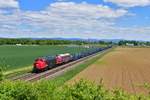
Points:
[126,68]
[55,89]
[14,57]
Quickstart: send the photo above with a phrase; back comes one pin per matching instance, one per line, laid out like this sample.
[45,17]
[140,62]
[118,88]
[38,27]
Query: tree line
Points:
[6,41]
[10,41]
[133,43]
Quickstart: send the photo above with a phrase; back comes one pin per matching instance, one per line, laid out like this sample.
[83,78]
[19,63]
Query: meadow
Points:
[14,57]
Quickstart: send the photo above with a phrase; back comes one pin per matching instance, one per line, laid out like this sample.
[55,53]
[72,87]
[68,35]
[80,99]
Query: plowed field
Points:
[125,68]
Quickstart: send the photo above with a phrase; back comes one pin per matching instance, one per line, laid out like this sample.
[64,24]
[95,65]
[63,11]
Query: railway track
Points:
[23,77]
[31,77]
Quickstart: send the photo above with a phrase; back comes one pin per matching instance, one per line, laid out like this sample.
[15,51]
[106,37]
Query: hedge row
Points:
[47,90]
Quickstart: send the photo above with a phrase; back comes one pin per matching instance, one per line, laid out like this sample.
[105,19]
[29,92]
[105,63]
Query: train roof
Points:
[66,54]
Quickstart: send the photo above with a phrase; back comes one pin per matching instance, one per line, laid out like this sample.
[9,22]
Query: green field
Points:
[13,57]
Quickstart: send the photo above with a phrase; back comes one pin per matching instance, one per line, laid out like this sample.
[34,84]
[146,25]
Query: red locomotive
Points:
[40,63]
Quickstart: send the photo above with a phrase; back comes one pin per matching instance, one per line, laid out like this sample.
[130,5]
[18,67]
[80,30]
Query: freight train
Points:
[49,62]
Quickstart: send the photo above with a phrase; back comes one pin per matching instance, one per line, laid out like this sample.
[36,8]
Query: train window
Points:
[37,59]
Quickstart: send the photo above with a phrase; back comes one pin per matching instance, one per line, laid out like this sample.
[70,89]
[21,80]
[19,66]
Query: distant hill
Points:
[80,39]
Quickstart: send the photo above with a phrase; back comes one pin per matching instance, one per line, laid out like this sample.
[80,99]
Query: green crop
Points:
[13,57]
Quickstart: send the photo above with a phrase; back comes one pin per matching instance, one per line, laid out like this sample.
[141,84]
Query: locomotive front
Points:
[40,64]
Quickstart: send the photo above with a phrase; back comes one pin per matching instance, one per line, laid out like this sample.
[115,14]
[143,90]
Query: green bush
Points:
[1,74]
[17,91]
[47,90]
[85,90]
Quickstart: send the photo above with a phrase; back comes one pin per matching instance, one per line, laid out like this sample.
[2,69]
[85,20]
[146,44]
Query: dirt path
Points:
[125,68]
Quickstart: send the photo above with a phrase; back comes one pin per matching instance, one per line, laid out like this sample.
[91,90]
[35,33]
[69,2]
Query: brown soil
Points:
[125,68]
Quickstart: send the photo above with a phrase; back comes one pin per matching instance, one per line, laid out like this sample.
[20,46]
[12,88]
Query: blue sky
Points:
[101,19]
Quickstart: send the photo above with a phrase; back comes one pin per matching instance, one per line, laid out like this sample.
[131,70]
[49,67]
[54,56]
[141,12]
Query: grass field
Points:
[13,57]
[126,68]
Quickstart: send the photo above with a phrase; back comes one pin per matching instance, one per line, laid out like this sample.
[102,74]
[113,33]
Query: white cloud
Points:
[130,3]
[87,9]
[68,19]
[9,4]
[133,33]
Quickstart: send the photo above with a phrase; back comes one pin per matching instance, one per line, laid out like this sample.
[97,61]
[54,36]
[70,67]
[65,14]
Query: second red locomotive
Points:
[63,58]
